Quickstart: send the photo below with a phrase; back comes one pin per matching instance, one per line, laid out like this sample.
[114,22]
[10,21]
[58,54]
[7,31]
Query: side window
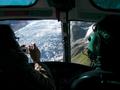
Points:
[47,35]
[17,2]
[107,4]
[80,32]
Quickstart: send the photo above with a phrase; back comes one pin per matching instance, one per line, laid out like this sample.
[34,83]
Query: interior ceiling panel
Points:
[83,10]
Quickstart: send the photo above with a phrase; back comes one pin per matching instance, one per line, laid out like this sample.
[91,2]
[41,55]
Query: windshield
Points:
[47,34]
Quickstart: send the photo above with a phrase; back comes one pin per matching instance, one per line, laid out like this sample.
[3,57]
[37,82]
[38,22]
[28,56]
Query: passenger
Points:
[15,71]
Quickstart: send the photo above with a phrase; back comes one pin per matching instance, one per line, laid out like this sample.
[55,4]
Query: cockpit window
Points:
[17,2]
[80,31]
[47,35]
[107,4]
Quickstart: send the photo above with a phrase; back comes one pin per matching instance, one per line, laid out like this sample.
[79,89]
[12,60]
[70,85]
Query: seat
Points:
[96,79]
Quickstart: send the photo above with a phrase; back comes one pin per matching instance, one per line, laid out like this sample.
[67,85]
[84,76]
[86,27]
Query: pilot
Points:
[103,50]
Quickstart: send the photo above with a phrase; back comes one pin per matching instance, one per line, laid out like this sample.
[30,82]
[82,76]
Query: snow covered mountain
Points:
[47,36]
[79,34]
